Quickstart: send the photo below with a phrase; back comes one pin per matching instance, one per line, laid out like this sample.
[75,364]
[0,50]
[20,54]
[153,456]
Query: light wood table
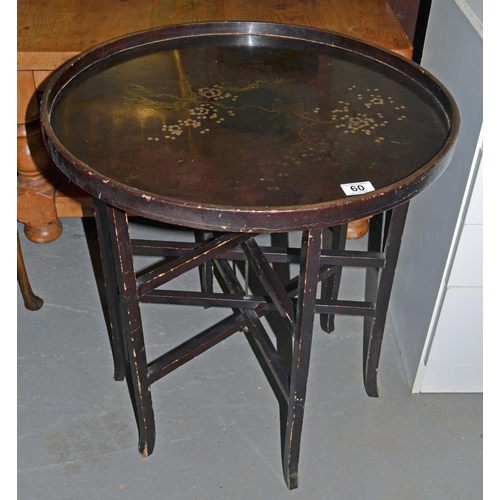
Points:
[50,32]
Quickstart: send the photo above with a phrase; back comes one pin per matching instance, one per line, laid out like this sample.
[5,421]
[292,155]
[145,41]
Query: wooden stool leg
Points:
[308,283]
[117,257]
[31,301]
[36,207]
[373,339]
[330,286]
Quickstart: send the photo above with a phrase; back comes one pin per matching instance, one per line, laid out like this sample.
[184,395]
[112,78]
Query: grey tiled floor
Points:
[217,417]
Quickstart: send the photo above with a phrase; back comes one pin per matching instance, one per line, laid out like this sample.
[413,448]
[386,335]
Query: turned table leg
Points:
[358,228]
[36,207]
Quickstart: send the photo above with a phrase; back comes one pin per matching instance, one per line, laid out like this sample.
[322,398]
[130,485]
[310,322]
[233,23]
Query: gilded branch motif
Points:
[361,112]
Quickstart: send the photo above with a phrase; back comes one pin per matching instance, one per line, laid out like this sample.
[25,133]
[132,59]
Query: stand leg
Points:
[102,216]
[207,268]
[308,282]
[373,338]
[330,286]
[124,307]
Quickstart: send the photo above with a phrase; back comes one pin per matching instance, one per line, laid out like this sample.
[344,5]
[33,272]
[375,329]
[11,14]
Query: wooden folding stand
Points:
[235,130]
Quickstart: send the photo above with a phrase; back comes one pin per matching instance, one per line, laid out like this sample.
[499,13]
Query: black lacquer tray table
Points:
[235,129]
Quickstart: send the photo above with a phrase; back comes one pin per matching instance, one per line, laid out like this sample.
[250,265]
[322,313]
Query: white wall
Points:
[438,322]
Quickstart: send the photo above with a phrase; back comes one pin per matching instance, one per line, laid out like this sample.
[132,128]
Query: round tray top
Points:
[253,127]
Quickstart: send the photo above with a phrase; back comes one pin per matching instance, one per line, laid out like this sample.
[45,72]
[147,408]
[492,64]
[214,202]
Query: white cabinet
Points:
[436,304]
[452,360]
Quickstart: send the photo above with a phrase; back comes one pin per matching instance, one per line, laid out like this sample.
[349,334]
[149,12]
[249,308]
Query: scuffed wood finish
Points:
[379,134]
[229,202]
[306,304]
[50,32]
[92,144]
[129,349]
[124,293]
[374,334]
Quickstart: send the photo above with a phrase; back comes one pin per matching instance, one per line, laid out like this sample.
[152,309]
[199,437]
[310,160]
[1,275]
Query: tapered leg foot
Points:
[306,300]
[127,331]
[374,334]
[31,301]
